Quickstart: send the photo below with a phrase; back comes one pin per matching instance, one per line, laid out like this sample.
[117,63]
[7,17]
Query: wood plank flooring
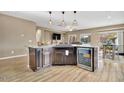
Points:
[16,70]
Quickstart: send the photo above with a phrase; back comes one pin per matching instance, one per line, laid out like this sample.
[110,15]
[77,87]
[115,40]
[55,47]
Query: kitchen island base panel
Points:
[40,57]
[64,56]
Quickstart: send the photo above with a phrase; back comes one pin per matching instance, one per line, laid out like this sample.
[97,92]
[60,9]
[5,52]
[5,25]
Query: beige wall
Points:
[15,35]
[94,36]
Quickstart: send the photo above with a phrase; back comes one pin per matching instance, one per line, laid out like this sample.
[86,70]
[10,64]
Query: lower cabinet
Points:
[58,57]
[70,59]
[39,58]
[64,56]
[47,57]
[35,58]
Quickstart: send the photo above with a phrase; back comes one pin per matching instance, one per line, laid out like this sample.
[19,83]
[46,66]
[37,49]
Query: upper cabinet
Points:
[43,37]
[39,36]
[47,37]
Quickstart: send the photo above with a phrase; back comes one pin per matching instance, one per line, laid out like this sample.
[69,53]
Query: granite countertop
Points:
[43,46]
[84,46]
[63,45]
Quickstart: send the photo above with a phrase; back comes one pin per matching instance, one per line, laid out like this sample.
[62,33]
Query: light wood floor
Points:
[16,70]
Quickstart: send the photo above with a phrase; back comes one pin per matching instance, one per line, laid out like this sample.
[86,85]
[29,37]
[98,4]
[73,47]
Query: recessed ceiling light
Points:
[12,52]
[70,29]
[22,35]
[85,36]
[109,17]
[30,41]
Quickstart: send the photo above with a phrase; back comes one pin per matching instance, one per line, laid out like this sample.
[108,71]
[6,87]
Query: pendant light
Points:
[50,21]
[75,23]
[63,21]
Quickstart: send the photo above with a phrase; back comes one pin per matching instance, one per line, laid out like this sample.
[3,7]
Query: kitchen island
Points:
[44,56]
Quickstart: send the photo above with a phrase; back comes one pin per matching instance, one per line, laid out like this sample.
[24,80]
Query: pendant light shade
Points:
[72,26]
[63,21]
[50,21]
[75,23]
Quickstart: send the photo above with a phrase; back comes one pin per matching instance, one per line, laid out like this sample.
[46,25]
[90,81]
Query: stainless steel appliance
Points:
[87,58]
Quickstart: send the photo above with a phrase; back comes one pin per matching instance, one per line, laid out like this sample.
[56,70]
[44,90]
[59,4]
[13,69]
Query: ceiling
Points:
[86,19]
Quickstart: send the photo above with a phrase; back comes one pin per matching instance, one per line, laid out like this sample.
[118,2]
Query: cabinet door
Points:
[38,58]
[32,63]
[69,56]
[47,57]
[35,58]
[58,58]
[69,59]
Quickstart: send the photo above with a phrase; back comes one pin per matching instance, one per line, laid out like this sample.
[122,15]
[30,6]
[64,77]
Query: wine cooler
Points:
[87,58]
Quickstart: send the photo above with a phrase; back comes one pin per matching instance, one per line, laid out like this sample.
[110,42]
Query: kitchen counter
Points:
[62,45]
[43,46]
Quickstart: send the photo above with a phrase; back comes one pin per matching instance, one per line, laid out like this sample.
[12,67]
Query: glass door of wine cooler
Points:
[84,58]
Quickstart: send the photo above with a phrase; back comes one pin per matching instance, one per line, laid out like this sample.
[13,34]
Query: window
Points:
[109,38]
[85,38]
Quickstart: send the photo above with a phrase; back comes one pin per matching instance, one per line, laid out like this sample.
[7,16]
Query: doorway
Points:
[112,45]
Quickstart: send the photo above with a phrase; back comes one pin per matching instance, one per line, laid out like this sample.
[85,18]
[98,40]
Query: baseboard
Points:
[11,57]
